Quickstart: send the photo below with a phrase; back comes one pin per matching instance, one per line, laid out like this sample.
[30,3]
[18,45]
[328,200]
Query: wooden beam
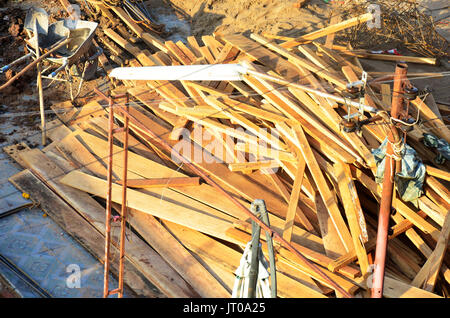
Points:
[177,256]
[263,55]
[290,282]
[297,60]
[353,211]
[293,201]
[328,30]
[159,207]
[148,38]
[162,182]
[329,200]
[427,276]
[438,173]
[386,57]
[89,237]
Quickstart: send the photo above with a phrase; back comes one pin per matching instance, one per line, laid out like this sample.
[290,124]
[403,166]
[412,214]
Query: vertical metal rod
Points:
[124,203]
[40,90]
[108,199]
[254,262]
[388,185]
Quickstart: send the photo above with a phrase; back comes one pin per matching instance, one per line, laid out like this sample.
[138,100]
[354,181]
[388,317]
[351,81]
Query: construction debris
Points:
[193,133]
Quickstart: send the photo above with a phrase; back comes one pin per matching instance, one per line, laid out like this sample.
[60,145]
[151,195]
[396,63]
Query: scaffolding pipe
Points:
[392,164]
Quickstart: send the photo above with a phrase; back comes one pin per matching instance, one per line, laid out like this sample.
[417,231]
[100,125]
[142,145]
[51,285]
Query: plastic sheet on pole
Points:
[409,181]
[240,289]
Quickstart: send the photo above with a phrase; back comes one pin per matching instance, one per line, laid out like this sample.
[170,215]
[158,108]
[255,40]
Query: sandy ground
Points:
[273,16]
[231,16]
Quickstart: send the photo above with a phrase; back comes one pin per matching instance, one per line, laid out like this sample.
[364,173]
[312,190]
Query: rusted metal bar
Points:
[124,202]
[211,182]
[391,167]
[108,199]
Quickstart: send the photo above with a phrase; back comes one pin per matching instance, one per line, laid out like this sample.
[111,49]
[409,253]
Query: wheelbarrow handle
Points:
[20,59]
[29,66]
[53,74]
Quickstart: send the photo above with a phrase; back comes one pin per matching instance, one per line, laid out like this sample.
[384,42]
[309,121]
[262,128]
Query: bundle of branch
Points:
[406,24]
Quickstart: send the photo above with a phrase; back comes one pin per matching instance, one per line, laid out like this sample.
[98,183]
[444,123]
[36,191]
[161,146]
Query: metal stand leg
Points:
[111,131]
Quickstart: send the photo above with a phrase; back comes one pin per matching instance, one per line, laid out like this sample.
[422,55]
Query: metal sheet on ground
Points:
[49,256]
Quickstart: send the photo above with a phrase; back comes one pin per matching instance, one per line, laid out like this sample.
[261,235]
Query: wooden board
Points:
[76,226]
[263,55]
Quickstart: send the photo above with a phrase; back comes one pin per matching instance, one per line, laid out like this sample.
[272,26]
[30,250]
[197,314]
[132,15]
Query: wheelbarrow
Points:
[68,58]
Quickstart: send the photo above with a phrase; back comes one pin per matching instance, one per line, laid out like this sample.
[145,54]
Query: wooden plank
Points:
[195,47]
[94,213]
[143,56]
[162,182]
[354,214]
[157,206]
[291,283]
[386,57]
[247,124]
[418,221]
[438,173]
[293,201]
[81,230]
[144,168]
[309,123]
[14,152]
[206,53]
[439,202]
[227,55]
[151,100]
[281,188]
[437,186]
[427,276]
[328,30]
[263,55]
[436,213]
[290,259]
[317,60]
[394,288]
[148,38]
[386,96]
[329,116]
[253,165]
[235,183]
[421,245]
[178,53]
[190,55]
[177,256]
[297,60]
[435,124]
[330,37]
[333,210]
[214,45]
[266,152]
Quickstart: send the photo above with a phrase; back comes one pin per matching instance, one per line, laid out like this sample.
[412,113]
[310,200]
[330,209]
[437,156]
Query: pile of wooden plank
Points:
[184,237]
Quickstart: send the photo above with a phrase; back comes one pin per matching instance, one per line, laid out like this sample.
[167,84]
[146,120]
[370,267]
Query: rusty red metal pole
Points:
[124,202]
[108,199]
[388,185]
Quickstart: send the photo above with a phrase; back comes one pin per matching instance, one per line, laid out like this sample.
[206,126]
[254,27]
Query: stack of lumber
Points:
[184,237]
